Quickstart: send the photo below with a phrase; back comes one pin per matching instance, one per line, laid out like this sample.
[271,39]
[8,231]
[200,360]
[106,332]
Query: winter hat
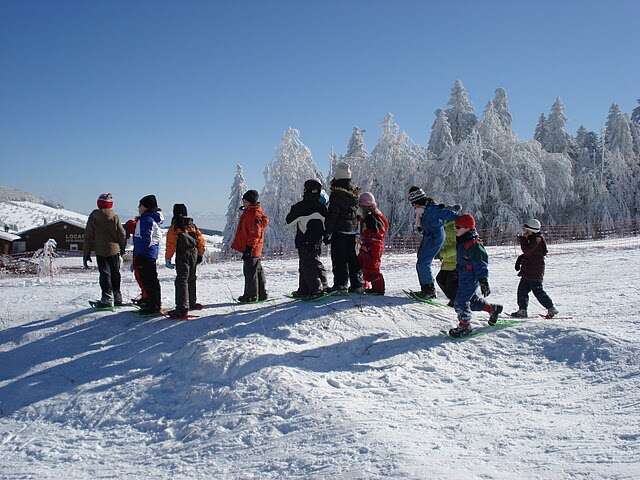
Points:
[179,209]
[466,221]
[417,195]
[105,200]
[149,202]
[343,171]
[533,225]
[367,199]
[312,186]
[251,196]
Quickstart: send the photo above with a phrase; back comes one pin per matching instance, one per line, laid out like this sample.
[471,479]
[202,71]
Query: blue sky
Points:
[138,97]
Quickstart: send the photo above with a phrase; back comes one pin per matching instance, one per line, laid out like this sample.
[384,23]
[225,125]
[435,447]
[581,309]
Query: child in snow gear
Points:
[373,228]
[530,268]
[342,227]
[105,235]
[146,244]
[249,240]
[308,217]
[473,270]
[185,240]
[130,229]
[447,277]
[430,219]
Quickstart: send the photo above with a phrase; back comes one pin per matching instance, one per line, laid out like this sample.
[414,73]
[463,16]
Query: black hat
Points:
[251,196]
[179,209]
[149,201]
[417,196]
[312,186]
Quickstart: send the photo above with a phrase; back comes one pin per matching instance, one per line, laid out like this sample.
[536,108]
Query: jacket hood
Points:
[156,215]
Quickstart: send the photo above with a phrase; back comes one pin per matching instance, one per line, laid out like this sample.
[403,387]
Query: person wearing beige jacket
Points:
[105,235]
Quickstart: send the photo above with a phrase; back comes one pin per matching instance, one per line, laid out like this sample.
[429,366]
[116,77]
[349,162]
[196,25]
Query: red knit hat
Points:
[466,221]
[105,200]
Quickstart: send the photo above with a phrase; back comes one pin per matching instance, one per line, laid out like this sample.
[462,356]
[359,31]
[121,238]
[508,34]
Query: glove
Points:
[484,287]
[199,260]
[86,260]
[326,239]
[518,263]
[170,265]
[247,252]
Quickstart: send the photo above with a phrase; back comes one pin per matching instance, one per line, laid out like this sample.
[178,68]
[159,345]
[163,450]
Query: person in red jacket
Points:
[373,228]
[530,268]
[249,240]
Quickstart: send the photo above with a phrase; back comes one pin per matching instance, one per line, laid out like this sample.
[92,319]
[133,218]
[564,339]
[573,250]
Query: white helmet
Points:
[533,225]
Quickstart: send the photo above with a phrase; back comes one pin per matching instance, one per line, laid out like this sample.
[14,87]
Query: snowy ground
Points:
[348,388]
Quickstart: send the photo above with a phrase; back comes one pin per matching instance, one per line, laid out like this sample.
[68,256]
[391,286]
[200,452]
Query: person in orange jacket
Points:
[373,228]
[185,240]
[249,240]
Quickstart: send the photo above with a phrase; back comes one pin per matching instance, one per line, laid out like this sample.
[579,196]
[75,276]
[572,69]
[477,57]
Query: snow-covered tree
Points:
[501,107]
[238,188]
[556,138]
[541,130]
[588,150]
[635,115]
[496,139]
[460,113]
[284,177]
[618,132]
[357,158]
[440,138]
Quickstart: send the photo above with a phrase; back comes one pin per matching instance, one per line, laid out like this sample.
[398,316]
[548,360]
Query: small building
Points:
[7,242]
[68,234]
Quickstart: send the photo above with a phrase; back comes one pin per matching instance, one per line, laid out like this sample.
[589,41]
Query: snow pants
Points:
[467,299]
[370,265]
[136,274]
[448,283]
[254,281]
[429,248]
[149,276]
[185,282]
[525,286]
[344,261]
[109,269]
[312,275]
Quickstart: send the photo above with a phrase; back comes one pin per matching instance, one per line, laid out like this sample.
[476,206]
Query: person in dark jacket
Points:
[341,227]
[185,240]
[146,245]
[530,268]
[472,264]
[308,217]
[105,235]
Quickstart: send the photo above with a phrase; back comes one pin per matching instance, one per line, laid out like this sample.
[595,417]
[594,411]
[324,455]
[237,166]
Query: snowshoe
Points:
[551,312]
[247,299]
[496,310]
[100,305]
[461,330]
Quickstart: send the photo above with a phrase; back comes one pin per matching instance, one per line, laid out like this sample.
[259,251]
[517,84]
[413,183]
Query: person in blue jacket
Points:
[472,265]
[146,245]
[430,220]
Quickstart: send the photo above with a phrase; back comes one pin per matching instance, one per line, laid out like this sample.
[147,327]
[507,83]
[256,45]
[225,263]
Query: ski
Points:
[414,295]
[556,317]
[254,302]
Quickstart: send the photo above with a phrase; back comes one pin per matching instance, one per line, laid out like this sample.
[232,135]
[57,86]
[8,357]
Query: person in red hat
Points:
[105,236]
[373,228]
[472,264]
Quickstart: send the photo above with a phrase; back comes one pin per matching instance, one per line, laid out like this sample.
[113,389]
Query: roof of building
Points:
[10,237]
[45,225]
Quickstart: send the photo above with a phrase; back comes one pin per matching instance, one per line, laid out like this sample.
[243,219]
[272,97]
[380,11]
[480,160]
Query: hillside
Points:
[13,194]
[21,215]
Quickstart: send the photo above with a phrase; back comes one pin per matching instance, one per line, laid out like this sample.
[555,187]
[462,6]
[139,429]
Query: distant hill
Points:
[13,194]
[22,215]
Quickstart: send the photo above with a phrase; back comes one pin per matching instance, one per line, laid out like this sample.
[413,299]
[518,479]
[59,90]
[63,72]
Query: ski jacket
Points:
[531,262]
[374,227]
[183,236]
[147,237]
[250,231]
[447,253]
[308,217]
[343,205]
[104,234]
[472,261]
[433,220]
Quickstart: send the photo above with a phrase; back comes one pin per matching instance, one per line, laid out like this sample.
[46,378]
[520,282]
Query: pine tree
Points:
[284,177]
[557,140]
[618,132]
[238,188]
[501,107]
[588,150]
[358,159]
[440,138]
[635,115]
[460,113]
[540,134]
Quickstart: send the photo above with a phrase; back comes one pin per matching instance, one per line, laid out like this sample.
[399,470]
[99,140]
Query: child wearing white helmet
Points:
[530,267]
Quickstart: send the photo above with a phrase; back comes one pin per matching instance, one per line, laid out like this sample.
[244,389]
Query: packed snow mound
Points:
[21,216]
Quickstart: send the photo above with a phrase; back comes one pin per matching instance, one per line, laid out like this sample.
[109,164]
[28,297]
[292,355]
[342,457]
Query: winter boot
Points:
[552,312]
[522,313]
[356,290]
[117,298]
[371,291]
[106,301]
[338,289]
[495,311]
[427,291]
[247,299]
[462,330]
[178,314]
[263,296]
[298,294]
[196,306]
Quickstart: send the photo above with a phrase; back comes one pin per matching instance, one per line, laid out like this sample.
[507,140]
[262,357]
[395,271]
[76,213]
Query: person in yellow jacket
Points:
[185,240]
[447,277]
